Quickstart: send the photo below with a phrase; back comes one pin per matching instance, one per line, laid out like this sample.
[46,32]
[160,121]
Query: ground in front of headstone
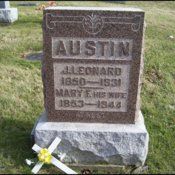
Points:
[109,169]
[98,169]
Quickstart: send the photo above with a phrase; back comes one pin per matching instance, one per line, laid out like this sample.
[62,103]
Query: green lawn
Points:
[21,96]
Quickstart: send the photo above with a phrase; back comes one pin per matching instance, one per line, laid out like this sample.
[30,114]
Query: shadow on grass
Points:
[5,24]
[15,143]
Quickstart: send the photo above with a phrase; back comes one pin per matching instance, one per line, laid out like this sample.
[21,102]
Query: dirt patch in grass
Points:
[38,56]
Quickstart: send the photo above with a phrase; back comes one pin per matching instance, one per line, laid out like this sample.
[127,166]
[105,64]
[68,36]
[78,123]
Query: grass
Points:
[21,96]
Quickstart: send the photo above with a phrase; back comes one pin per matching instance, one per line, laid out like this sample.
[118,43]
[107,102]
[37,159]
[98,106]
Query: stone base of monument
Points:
[8,15]
[96,143]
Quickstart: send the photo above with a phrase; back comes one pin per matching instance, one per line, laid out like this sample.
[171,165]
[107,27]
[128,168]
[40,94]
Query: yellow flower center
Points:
[44,156]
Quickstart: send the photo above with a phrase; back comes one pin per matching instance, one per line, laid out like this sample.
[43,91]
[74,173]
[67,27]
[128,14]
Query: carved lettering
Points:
[68,92]
[116,95]
[99,94]
[112,48]
[90,45]
[61,48]
[74,48]
[89,87]
[91,48]
[124,49]
[93,70]
[103,45]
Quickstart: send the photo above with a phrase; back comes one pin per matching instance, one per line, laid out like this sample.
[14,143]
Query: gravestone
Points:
[4,4]
[7,14]
[91,71]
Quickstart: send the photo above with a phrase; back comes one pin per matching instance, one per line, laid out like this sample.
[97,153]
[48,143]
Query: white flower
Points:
[28,162]
[61,156]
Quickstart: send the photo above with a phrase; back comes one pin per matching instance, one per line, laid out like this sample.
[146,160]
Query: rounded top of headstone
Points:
[95,8]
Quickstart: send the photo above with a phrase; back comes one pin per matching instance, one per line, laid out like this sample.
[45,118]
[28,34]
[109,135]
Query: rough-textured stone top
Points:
[92,63]
[94,8]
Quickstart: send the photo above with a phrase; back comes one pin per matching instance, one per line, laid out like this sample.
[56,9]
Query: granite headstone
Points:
[92,64]
[91,70]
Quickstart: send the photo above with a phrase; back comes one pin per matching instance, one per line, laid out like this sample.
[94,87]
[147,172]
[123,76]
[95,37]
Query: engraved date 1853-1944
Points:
[81,103]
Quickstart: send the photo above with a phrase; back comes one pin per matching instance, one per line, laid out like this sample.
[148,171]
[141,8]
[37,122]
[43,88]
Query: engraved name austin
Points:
[92,48]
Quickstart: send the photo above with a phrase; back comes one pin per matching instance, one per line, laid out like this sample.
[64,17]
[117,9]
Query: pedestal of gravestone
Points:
[91,71]
[7,14]
[96,143]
